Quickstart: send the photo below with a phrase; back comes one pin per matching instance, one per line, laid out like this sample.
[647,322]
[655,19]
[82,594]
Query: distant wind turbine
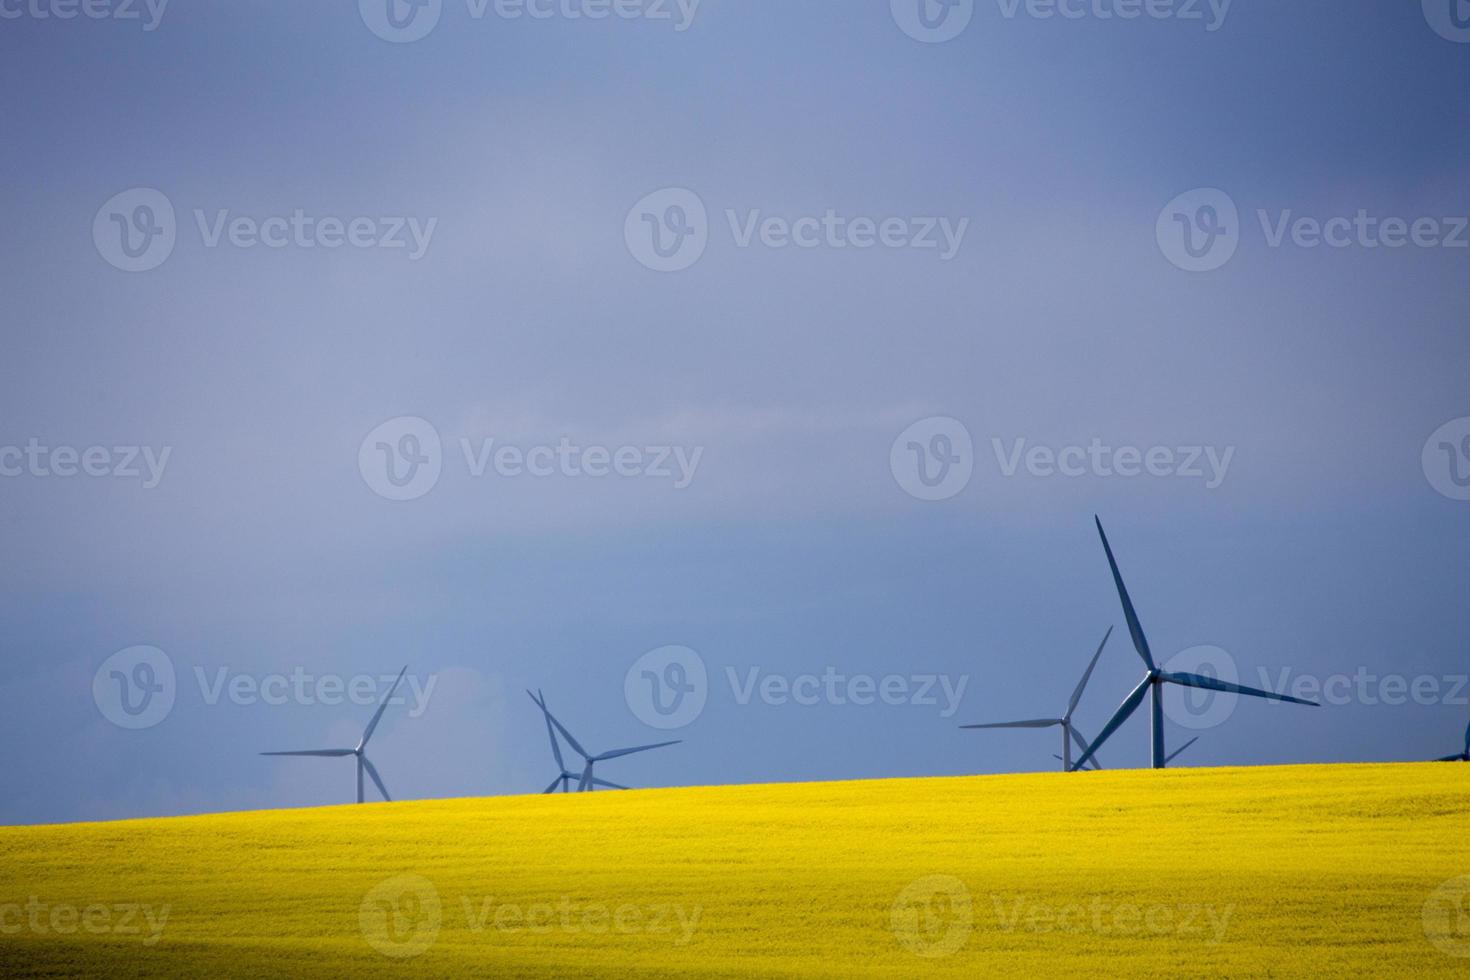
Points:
[564,781]
[1463,756]
[587,780]
[363,763]
[1069,730]
[1154,680]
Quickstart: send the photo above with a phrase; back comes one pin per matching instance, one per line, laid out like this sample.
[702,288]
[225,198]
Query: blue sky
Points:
[1325,549]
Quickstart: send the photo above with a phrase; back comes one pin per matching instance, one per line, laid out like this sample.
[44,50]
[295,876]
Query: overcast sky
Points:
[1293,411]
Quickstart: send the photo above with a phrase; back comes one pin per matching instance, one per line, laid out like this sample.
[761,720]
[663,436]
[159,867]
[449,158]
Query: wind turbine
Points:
[1154,680]
[564,781]
[1171,757]
[1463,756]
[587,780]
[1069,731]
[363,763]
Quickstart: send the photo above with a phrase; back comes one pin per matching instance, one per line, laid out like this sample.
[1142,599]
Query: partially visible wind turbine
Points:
[1153,682]
[1171,757]
[363,763]
[564,781]
[1069,730]
[587,780]
[1463,756]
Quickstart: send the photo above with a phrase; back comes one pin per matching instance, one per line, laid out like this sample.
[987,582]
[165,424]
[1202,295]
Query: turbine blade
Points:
[321,753]
[554,783]
[619,753]
[377,715]
[377,780]
[1082,744]
[576,746]
[1077,694]
[1129,705]
[550,732]
[1451,758]
[1175,754]
[1467,739]
[1140,642]
[586,778]
[1214,684]
[1033,723]
[604,782]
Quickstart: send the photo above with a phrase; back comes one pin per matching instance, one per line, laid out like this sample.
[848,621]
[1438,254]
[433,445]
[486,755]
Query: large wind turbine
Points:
[1463,756]
[1153,682]
[1069,730]
[363,763]
[587,780]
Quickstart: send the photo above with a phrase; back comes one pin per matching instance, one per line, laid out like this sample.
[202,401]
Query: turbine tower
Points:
[1154,680]
[363,762]
[1463,756]
[1069,730]
[588,779]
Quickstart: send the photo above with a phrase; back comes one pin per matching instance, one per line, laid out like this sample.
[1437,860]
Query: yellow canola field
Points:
[1334,871]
